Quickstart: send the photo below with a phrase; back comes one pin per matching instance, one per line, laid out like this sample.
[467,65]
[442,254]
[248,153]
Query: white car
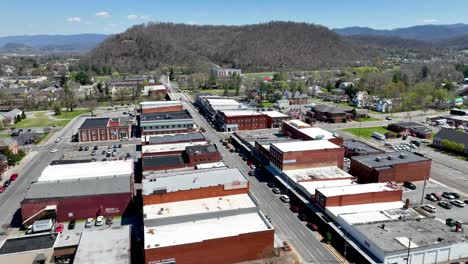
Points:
[57,140]
[429,208]
[458,203]
[285,198]
[53,150]
[89,222]
[99,220]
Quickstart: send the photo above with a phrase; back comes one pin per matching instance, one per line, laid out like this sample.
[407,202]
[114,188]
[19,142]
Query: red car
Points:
[2,188]
[312,226]
[59,228]
[294,208]
[13,176]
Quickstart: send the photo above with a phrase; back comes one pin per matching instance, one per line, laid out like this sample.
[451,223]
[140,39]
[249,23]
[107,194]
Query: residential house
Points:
[9,143]
[3,165]
[10,116]
[361,99]
[282,104]
[224,72]
[384,105]
[453,136]
[85,91]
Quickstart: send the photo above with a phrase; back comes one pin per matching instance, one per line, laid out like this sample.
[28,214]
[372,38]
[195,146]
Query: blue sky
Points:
[29,17]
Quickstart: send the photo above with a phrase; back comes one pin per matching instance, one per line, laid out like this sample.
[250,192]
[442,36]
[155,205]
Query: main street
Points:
[287,225]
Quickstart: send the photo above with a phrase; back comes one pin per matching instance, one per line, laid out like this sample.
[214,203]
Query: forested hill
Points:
[260,47]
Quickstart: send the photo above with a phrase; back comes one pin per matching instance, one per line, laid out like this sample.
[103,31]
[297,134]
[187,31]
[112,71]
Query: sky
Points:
[32,17]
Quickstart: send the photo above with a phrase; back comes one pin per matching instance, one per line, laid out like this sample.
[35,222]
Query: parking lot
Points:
[456,213]
[104,151]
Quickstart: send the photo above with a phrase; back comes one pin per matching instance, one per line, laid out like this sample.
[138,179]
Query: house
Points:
[361,99]
[154,89]
[282,104]
[85,91]
[9,143]
[10,116]
[3,164]
[451,140]
[384,105]
[224,72]
[52,92]
[329,113]
[345,85]
[315,90]
[296,98]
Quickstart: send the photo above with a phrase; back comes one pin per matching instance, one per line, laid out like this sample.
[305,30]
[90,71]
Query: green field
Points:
[366,132]
[70,115]
[258,74]
[367,119]
[43,135]
[40,119]
[5,135]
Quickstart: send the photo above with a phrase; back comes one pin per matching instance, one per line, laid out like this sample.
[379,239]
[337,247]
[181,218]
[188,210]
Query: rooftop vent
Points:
[402,156]
[378,159]
[389,157]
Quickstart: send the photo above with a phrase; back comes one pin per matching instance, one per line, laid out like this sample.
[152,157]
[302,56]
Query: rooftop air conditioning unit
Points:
[378,159]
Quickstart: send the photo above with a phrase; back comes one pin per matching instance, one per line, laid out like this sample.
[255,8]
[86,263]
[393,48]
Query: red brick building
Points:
[357,194]
[172,138]
[305,154]
[275,118]
[390,167]
[303,131]
[160,107]
[104,129]
[411,128]
[233,120]
[329,113]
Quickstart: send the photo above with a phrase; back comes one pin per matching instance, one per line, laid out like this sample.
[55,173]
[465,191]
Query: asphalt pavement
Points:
[287,226]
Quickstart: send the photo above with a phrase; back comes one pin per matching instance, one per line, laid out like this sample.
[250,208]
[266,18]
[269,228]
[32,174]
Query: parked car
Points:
[294,208]
[431,197]
[2,189]
[312,226]
[253,167]
[252,173]
[99,220]
[86,148]
[437,196]
[53,150]
[89,222]
[57,140]
[103,152]
[466,201]
[59,228]
[119,146]
[450,222]
[80,149]
[456,195]
[285,198]
[128,155]
[409,185]
[429,208]
[93,153]
[457,203]
[95,148]
[13,176]
[276,190]
[7,183]
[302,217]
[268,218]
[72,224]
[448,195]
[115,146]
[445,205]
[388,118]
[271,184]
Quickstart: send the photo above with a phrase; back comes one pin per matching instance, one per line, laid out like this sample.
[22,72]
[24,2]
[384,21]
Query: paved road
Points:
[287,225]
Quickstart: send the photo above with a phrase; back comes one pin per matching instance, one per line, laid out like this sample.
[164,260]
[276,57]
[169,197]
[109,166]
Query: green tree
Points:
[23,115]
[57,108]
[83,78]
[264,89]
[69,99]
[424,72]
[280,76]
[171,74]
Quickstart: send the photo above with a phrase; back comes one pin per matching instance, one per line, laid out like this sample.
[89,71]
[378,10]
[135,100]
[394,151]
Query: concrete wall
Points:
[80,207]
[27,257]
[243,247]
[192,194]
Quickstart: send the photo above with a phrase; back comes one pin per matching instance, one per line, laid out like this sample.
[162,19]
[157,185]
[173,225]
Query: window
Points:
[93,132]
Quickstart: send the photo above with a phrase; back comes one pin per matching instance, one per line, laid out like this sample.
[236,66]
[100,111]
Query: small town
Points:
[152,144]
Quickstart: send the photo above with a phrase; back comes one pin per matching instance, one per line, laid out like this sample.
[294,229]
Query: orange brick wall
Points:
[173,108]
[192,194]
[243,247]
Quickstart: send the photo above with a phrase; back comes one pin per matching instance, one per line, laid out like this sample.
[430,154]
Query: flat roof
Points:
[28,243]
[221,101]
[154,104]
[275,114]
[298,123]
[198,206]
[316,174]
[194,180]
[359,146]
[357,189]
[388,159]
[170,147]
[241,112]
[408,124]
[317,133]
[79,187]
[311,186]
[87,170]
[164,116]
[304,145]
[205,229]
[381,214]
[363,208]
[163,160]
[95,122]
[110,245]
[425,232]
[211,165]
[68,239]
[201,149]
[171,138]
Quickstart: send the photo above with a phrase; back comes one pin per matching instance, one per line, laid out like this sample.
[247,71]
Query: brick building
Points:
[9,143]
[305,154]
[329,113]
[172,138]
[168,149]
[355,194]
[411,128]
[104,129]
[358,148]
[303,131]
[181,186]
[166,123]
[275,118]
[160,107]
[80,191]
[390,167]
[232,120]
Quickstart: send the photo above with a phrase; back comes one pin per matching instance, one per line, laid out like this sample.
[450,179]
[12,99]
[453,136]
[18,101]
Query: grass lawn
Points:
[366,132]
[231,92]
[44,135]
[71,115]
[368,119]
[266,104]
[5,135]
[258,74]
[40,119]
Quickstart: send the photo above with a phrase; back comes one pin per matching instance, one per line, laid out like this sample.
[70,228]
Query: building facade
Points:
[104,129]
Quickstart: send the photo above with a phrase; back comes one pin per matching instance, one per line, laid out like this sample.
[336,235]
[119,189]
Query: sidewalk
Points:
[18,167]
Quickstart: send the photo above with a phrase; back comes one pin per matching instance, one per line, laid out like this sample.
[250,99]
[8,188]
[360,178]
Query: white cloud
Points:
[103,14]
[145,17]
[132,17]
[74,19]
[430,20]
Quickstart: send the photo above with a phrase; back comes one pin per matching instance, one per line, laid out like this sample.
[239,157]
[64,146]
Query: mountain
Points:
[260,47]
[390,42]
[17,48]
[421,32]
[56,43]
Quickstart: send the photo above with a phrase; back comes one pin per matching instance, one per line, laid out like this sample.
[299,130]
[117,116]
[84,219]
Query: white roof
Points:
[363,208]
[170,147]
[316,174]
[357,189]
[317,133]
[200,230]
[274,114]
[241,112]
[211,165]
[153,104]
[214,101]
[298,123]
[155,87]
[87,170]
[304,145]
[311,186]
[198,206]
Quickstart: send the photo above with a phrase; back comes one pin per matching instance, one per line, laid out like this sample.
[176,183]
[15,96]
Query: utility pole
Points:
[409,248]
